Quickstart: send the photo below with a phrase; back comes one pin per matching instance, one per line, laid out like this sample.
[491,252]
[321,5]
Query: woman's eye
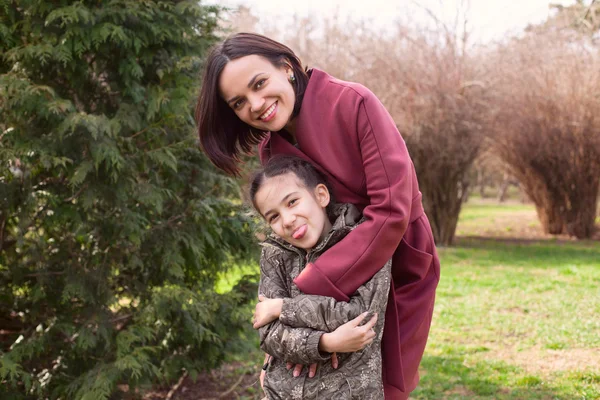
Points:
[260,83]
[292,202]
[238,104]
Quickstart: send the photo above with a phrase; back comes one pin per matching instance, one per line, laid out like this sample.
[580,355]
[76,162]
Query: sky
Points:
[488,19]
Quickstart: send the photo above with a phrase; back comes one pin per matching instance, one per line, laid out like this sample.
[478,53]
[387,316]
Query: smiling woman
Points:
[255,91]
[246,78]
[259,92]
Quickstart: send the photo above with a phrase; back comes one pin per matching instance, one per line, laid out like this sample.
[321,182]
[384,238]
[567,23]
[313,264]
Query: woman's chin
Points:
[274,125]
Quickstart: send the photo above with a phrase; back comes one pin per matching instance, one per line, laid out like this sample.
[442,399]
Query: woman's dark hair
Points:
[223,136]
[309,176]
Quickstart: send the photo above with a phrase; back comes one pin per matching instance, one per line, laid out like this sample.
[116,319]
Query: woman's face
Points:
[259,93]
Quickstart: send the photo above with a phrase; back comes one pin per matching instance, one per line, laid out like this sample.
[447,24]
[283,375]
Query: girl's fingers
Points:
[371,323]
[370,334]
[289,365]
[356,321]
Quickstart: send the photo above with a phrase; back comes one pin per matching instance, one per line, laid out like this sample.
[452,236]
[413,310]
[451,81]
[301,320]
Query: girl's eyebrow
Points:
[249,86]
[282,201]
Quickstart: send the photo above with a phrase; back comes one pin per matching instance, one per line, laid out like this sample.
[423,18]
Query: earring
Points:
[292,78]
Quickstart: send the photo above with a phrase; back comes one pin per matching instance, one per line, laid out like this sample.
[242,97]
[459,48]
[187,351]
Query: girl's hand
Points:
[349,337]
[263,372]
[266,311]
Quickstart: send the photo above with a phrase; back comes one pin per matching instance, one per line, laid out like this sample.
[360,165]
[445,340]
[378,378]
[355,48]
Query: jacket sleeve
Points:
[326,314]
[296,345]
[389,178]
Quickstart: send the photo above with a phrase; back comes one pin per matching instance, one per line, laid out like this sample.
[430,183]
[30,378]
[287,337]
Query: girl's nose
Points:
[288,219]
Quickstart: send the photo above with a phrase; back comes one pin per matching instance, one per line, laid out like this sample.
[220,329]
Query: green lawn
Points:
[515,318]
[515,321]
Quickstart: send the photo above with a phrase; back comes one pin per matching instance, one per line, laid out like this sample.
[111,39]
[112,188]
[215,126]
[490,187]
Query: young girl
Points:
[293,198]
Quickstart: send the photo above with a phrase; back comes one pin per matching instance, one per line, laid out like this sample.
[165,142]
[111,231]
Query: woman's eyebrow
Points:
[253,80]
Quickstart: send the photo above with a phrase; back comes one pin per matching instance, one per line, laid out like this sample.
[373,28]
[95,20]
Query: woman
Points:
[255,91]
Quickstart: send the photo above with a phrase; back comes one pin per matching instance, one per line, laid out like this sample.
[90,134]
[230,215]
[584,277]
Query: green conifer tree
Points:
[113,225]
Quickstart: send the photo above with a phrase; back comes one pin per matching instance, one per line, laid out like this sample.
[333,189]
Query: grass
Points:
[490,219]
[515,321]
[515,318]
[517,313]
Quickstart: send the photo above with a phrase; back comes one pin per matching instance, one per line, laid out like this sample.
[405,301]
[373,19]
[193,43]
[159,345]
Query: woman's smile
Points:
[269,114]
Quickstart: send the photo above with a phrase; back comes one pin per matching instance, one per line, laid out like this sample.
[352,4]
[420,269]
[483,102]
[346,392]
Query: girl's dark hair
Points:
[309,176]
[223,136]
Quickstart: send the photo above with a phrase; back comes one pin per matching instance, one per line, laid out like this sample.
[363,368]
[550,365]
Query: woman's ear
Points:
[322,195]
[287,66]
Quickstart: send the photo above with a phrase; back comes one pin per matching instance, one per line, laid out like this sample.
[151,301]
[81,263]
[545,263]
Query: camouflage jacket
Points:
[295,336]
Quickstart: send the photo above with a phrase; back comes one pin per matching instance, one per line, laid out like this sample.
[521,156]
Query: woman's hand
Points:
[266,311]
[349,337]
[312,368]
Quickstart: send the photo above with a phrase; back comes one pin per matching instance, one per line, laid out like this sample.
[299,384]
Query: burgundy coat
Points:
[344,130]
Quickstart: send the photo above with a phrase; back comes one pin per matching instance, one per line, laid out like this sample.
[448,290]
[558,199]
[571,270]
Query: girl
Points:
[294,200]
[255,91]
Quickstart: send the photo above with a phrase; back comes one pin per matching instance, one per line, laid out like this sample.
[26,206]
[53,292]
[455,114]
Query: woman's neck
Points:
[290,127]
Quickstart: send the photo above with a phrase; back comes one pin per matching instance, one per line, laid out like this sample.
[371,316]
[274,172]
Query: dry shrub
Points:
[547,127]
[441,111]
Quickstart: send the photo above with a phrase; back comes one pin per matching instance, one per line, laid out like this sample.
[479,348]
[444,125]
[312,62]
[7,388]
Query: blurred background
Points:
[128,264]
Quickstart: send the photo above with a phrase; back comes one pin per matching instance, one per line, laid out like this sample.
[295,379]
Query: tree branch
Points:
[176,386]
[49,273]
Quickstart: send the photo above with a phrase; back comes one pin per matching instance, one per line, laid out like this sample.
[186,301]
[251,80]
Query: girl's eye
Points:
[292,202]
[238,104]
[273,218]
[259,84]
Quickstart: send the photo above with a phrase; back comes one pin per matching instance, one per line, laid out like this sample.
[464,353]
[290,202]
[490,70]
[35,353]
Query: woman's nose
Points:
[256,103]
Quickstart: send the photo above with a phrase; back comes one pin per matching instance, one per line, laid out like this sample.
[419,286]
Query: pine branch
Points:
[162,121]
[121,318]
[76,195]
[48,273]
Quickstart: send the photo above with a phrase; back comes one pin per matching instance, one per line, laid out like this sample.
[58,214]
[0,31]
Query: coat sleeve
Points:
[389,179]
[296,345]
[326,314]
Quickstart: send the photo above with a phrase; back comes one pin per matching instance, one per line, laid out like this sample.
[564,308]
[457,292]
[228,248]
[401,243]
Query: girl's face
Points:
[295,213]
[258,92]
